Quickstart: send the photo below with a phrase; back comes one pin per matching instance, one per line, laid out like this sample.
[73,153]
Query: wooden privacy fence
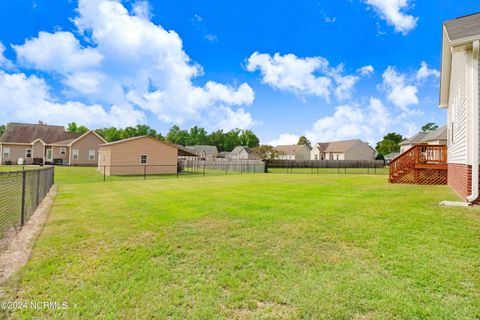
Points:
[334,164]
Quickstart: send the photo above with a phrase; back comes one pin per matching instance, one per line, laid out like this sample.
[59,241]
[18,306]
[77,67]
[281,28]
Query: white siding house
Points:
[459,92]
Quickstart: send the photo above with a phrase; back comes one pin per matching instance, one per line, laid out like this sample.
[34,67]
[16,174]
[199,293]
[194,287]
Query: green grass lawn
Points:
[255,246]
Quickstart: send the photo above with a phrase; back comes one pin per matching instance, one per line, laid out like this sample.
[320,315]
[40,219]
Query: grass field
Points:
[255,246]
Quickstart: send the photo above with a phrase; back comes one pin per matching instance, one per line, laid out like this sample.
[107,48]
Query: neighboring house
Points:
[318,151]
[244,153]
[224,154]
[410,142]
[140,155]
[389,157]
[435,137]
[46,144]
[343,150]
[293,152]
[459,92]
[203,151]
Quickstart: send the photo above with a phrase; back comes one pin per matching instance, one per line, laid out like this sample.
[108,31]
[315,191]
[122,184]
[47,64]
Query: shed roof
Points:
[182,151]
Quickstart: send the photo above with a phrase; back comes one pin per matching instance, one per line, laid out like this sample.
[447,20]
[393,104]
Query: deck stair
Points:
[421,164]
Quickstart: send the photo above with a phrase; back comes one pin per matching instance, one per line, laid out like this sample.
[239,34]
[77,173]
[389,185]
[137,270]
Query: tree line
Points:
[223,140]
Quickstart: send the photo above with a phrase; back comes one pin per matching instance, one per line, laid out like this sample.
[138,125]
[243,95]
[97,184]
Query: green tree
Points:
[304,141]
[249,139]
[110,134]
[177,135]
[82,129]
[2,129]
[72,127]
[232,139]
[389,143]
[197,136]
[431,126]
[217,138]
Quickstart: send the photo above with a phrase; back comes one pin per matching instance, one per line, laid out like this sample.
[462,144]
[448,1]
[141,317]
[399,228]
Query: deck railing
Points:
[421,164]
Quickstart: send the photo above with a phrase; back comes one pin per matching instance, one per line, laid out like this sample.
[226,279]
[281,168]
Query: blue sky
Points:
[328,69]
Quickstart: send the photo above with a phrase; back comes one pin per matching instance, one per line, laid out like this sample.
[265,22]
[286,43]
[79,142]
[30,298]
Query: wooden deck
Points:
[421,164]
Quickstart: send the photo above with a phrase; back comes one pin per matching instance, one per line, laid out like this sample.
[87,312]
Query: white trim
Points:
[84,135]
[90,155]
[475,147]
[35,141]
[31,153]
[77,154]
[141,158]
[51,154]
[18,143]
[64,152]
[9,153]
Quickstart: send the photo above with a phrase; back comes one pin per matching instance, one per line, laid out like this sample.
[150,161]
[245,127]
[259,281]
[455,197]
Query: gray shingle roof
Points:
[463,27]
[27,133]
[290,149]
[237,150]
[208,150]
[439,134]
[418,138]
[341,146]
[424,137]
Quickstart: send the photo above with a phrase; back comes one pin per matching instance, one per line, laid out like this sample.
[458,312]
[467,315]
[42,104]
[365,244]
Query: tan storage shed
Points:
[138,156]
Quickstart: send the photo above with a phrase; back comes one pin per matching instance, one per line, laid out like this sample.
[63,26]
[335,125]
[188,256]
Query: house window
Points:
[316,157]
[75,154]
[143,159]
[6,152]
[63,151]
[28,153]
[91,154]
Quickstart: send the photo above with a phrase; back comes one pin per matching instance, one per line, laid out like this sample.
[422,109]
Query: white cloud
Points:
[350,121]
[303,76]
[28,99]
[290,73]
[424,72]
[285,139]
[345,84]
[130,61]
[400,93]
[392,11]
[366,70]
[60,52]
[142,9]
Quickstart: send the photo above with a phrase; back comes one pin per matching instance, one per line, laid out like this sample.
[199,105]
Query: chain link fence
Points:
[20,194]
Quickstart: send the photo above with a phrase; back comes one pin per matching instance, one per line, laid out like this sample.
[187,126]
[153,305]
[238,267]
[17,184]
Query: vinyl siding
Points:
[457,110]
[360,151]
[57,155]
[124,158]
[17,152]
[88,142]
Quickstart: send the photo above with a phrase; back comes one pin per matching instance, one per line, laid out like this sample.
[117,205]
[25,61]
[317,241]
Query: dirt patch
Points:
[19,250]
